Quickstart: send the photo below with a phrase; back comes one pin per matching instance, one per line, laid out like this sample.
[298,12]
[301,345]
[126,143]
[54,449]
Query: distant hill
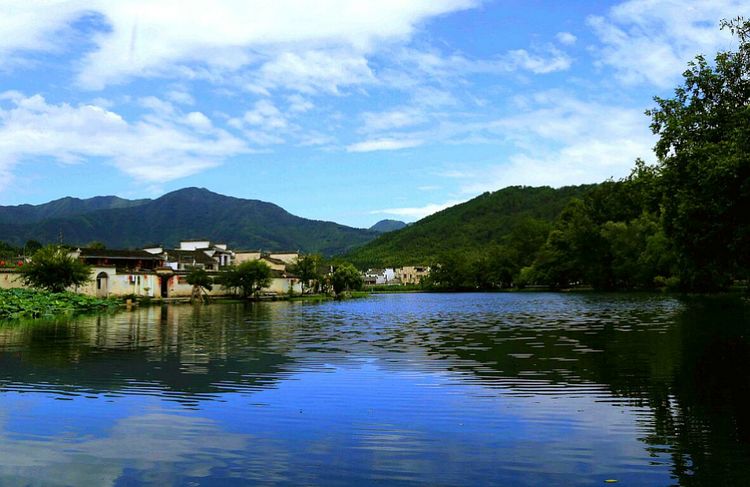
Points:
[63,208]
[182,214]
[384,226]
[470,228]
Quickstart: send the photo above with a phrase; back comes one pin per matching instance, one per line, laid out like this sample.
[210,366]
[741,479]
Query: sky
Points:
[340,110]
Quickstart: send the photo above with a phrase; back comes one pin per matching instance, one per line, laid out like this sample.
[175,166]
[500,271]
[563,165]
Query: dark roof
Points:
[198,255]
[119,254]
[272,260]
[258,251]
[278,273]
[283,251]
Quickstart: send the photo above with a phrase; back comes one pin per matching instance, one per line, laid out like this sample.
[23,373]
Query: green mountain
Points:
[182,214]
[62,208]
[384,226]
[470,228]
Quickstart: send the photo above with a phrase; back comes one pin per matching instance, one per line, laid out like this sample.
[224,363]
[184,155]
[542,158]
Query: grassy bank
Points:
[29,303]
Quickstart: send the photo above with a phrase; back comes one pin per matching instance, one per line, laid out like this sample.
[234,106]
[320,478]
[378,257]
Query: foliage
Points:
[307,268]
[30,303]
[704,158]
[52,268]
[518,217]
[202,282]
[249,277]
[119,223]
[199,277]
[30,247]
[346,277]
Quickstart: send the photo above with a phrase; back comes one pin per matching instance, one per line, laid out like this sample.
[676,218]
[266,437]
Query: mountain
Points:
[182,214]
[62,208]
[470,228]
[384,226]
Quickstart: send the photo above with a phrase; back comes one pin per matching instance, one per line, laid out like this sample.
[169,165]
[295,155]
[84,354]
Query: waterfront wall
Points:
[106,281]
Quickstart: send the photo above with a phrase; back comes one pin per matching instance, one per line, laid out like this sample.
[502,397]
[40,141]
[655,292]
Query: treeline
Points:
[681,223]
[611,238]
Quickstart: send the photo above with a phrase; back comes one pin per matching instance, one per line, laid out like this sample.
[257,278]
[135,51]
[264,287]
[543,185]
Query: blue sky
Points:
[335,110]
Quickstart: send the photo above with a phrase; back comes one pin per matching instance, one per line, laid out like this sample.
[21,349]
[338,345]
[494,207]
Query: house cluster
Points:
[409,275]
[159,272]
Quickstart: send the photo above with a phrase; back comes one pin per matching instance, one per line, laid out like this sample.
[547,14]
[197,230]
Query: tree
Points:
[307,268]
[96,244]
[574,252]
[202,283]
[30,247]
[452,271]
[249,277]
[704,158]
[54,269]
[346,277]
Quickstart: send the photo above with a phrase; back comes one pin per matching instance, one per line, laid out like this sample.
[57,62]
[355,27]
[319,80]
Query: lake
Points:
[400,389]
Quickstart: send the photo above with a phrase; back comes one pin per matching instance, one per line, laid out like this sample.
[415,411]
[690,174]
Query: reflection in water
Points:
[416,388]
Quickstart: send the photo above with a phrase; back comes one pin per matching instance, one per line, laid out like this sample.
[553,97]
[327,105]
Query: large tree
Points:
[704,157]
[249,277]
[202,284]
[346,277]
[307,268]
[52,268]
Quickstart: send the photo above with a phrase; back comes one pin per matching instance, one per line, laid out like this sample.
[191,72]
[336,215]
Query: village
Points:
[161,273]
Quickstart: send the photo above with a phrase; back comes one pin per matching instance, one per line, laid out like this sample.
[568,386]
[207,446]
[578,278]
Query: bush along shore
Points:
[30,303]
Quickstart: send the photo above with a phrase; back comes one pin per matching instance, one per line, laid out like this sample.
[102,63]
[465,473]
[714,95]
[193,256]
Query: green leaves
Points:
[53,269]
[29,303]
[249,277]
[704,157]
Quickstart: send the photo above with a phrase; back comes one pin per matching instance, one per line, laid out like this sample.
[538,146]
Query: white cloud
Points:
[35,25]
[417,212]
[436,65]
[159,38]
[563,140]
[198,121]
[566,38]
[651,42]
[265,114]
[312,71]
[552,60]
[181,97]
[383,144]
[154,149]
[394,119]
[299,104]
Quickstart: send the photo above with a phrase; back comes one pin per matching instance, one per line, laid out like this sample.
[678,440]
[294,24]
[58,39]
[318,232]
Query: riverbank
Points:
[31,303]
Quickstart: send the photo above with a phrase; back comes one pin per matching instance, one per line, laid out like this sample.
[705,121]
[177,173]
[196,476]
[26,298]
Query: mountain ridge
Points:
[177,215]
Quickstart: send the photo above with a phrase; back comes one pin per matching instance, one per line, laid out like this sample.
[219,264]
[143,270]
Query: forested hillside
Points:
[682,223]
[517,216]
[182,214]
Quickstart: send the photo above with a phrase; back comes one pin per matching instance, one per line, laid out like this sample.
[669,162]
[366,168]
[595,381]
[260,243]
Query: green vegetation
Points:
[345,278]
[29,303]
[202,283]
[509,218]
[186,213]
[308,268]
[53,269]
[704,162]
[682,223]
[249,278]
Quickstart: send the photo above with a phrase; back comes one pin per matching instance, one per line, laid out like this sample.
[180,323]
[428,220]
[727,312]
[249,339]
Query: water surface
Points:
[438,389]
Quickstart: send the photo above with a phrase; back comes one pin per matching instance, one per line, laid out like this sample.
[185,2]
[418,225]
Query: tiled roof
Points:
[197,255]
[119,254]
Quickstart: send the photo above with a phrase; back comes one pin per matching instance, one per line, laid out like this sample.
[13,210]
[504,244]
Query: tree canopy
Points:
[704,157]
[52,268]
[346,277]
[248,277]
